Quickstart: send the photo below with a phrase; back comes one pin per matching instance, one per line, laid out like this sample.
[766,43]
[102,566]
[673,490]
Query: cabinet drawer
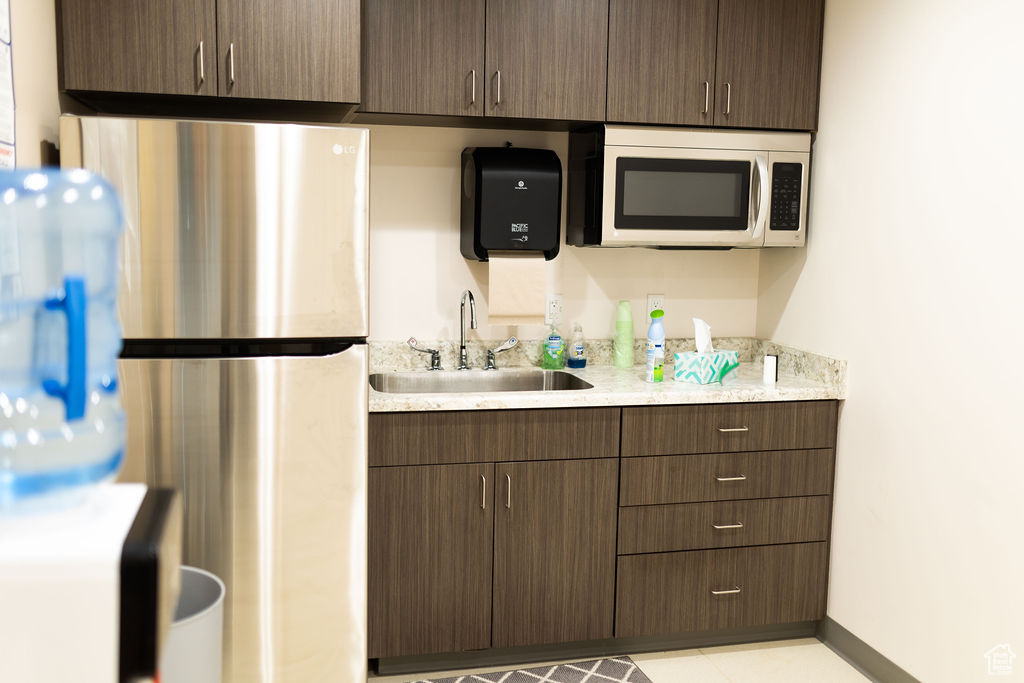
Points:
[725,476]
[692,526]
[428,438]
[728,427]
[668,593]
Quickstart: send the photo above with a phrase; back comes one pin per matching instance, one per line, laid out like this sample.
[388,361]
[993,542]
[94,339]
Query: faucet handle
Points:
[435,355]
[505,346]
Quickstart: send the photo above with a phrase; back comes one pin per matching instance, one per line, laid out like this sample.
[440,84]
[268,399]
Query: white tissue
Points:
[702,335]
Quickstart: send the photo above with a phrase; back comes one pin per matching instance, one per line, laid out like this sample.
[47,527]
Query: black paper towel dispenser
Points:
[511,201]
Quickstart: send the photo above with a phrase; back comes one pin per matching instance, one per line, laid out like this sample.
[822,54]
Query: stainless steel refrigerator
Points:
[244,370]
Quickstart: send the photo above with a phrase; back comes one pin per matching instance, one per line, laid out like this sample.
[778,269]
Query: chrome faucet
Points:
[508,344]
[435,355]
[462,326]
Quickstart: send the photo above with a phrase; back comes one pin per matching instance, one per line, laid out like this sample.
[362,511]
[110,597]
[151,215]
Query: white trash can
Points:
[192,653]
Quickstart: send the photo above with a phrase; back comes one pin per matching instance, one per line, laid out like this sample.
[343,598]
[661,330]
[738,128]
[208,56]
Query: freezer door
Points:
[270,455]
[235,230]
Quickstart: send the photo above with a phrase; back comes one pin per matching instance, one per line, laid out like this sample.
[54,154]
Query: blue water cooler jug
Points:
[61,423]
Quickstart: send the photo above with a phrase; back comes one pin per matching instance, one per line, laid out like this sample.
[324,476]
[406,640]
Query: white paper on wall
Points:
[5,21]
[7,150]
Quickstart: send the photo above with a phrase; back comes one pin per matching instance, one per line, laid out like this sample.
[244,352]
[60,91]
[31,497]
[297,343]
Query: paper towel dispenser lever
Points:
[511,201]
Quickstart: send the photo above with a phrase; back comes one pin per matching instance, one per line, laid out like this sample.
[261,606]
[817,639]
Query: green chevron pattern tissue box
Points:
[704,368]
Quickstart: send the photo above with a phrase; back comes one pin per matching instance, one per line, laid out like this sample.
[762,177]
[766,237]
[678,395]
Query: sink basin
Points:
[476,381]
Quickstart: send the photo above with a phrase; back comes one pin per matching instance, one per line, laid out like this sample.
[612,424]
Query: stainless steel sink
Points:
[476,381]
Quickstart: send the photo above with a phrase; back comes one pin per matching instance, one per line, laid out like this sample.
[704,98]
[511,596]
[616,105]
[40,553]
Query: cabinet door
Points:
[661,61]
[144,47]
[768,57]
[547,59]
[296,50]
[554,551]
[423,57]
[430,531]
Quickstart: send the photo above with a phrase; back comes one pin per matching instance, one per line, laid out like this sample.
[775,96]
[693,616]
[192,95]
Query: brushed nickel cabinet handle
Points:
[737,525]
[728,98]
[483,492]
[231,63]
[508,488]
[707,96]
[731,591]
[202,66]
[726,430]
[497,99]
[739,477]
[472,98]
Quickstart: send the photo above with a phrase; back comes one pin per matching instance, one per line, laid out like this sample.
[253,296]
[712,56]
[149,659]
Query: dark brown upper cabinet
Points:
[769,54]
[536,59]
[297,50]
[423,57]
[661,61]
[142,47]
[547,59]
[304,50]
[734,63]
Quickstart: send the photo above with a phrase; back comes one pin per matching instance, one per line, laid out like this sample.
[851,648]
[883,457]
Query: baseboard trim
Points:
[595,648]
[860,655]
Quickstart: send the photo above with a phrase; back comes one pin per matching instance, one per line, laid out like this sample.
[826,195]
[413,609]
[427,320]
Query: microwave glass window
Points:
[668,193]
[681,194]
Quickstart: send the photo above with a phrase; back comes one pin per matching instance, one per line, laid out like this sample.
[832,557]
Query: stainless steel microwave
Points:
[631,186]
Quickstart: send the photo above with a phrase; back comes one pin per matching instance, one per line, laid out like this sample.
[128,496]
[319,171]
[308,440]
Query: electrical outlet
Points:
[553,310]
[655,301]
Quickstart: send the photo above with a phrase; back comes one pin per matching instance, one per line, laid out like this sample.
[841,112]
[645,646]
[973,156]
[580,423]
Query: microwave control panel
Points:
[785,211]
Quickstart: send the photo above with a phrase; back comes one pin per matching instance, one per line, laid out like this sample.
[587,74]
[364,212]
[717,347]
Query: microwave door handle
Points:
[761,201]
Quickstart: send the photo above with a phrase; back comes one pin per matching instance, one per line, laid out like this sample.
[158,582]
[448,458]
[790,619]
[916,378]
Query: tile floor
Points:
[805,660]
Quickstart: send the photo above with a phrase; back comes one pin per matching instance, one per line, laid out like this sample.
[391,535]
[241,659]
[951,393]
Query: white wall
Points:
[913,273]
[417,273]
[34,45]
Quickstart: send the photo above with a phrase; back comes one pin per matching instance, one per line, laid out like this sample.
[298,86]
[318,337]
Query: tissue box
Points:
[705,368]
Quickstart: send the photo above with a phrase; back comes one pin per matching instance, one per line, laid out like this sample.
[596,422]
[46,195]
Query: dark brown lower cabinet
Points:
[556,540]
[429,583]
[669,593]
[554,551]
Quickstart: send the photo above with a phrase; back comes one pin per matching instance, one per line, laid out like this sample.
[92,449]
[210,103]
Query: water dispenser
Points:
[61,423]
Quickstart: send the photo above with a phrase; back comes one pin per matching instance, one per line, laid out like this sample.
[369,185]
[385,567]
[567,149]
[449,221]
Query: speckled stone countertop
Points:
[803,376]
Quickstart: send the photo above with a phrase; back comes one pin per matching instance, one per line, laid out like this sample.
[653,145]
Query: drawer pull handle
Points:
[739,477]
[737,525]
[726,430]
[731,591]
[508,500]
[483,492]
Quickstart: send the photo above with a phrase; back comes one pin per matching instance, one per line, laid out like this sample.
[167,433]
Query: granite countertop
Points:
[801,378]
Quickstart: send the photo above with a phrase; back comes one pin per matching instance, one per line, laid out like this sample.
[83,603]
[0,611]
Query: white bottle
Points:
[656,347]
